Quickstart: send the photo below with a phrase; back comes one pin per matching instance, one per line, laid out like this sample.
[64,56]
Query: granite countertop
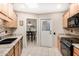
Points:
[76,45]
[69,36]
[5,48]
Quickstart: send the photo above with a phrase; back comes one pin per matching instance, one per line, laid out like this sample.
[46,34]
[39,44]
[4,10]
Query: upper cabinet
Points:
[3,15]
[74,9]
[11,12]
[4,9]
[11,24]
[71,17]
[7,13]
[65,19]
[7,9]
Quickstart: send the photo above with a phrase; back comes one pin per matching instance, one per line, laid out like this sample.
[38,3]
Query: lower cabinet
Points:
[76,51]
[11,52]
[20,47]
[58,43]
[16,50]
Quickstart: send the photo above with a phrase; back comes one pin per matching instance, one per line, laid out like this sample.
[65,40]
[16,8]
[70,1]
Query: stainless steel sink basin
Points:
[7,41]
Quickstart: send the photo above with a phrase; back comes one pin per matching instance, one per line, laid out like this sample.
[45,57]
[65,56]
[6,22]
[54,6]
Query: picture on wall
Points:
[21,22]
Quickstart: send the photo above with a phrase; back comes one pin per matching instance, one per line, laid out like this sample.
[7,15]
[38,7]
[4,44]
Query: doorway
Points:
[31,32]
[46,33]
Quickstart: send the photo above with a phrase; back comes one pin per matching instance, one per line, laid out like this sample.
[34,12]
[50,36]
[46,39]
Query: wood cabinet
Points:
[11,24]
[11,52]
[4,9]
[74,9]
[16,50]
[8,15]
[7,9]
[4,18]
[20,46]
[65,19]
[76,51]
[11,12]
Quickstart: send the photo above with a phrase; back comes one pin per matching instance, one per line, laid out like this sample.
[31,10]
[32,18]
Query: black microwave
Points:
[73,22]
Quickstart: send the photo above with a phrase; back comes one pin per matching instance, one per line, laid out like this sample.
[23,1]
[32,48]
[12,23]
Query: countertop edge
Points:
[11,45]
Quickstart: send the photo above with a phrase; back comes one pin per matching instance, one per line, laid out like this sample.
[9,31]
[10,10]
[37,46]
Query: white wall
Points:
[57,20]
[22,29]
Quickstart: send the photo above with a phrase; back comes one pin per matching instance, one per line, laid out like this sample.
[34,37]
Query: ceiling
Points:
[42,7]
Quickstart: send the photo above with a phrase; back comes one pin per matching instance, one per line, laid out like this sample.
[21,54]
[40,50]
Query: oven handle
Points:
[65,44]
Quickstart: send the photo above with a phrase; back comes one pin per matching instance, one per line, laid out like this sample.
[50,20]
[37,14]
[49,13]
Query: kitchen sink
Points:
[7,41]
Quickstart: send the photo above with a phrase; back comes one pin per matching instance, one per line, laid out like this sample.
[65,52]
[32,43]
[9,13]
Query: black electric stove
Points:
[67,47]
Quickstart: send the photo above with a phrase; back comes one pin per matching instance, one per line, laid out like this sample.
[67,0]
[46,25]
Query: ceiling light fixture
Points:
[32,5]
[58,6]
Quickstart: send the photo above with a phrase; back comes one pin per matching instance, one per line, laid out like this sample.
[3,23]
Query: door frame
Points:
[36,27]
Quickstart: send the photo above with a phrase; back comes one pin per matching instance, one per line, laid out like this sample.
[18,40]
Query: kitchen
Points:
[53,29]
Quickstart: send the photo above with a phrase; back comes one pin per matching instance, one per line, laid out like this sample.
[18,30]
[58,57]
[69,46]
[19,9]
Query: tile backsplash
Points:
[76,31]
[72,31]
[3,29]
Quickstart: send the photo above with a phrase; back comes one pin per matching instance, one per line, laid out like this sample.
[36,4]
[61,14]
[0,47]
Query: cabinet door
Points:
[58,43]
[5,9]
[74,54]
[20,49]
[76,51]
[10,13]
[65,19]
[3,17]
[11,24]
[11,52]
[4,12]
[17,49]
[73,9]
[20,46]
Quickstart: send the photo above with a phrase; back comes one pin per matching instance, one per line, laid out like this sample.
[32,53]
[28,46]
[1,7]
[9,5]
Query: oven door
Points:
[66,50]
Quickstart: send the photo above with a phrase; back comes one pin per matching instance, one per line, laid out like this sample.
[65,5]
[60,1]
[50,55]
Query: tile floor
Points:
[34,50]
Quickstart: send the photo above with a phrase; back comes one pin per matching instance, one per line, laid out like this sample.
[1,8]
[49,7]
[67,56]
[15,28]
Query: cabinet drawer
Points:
[73,9]
[65,19]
